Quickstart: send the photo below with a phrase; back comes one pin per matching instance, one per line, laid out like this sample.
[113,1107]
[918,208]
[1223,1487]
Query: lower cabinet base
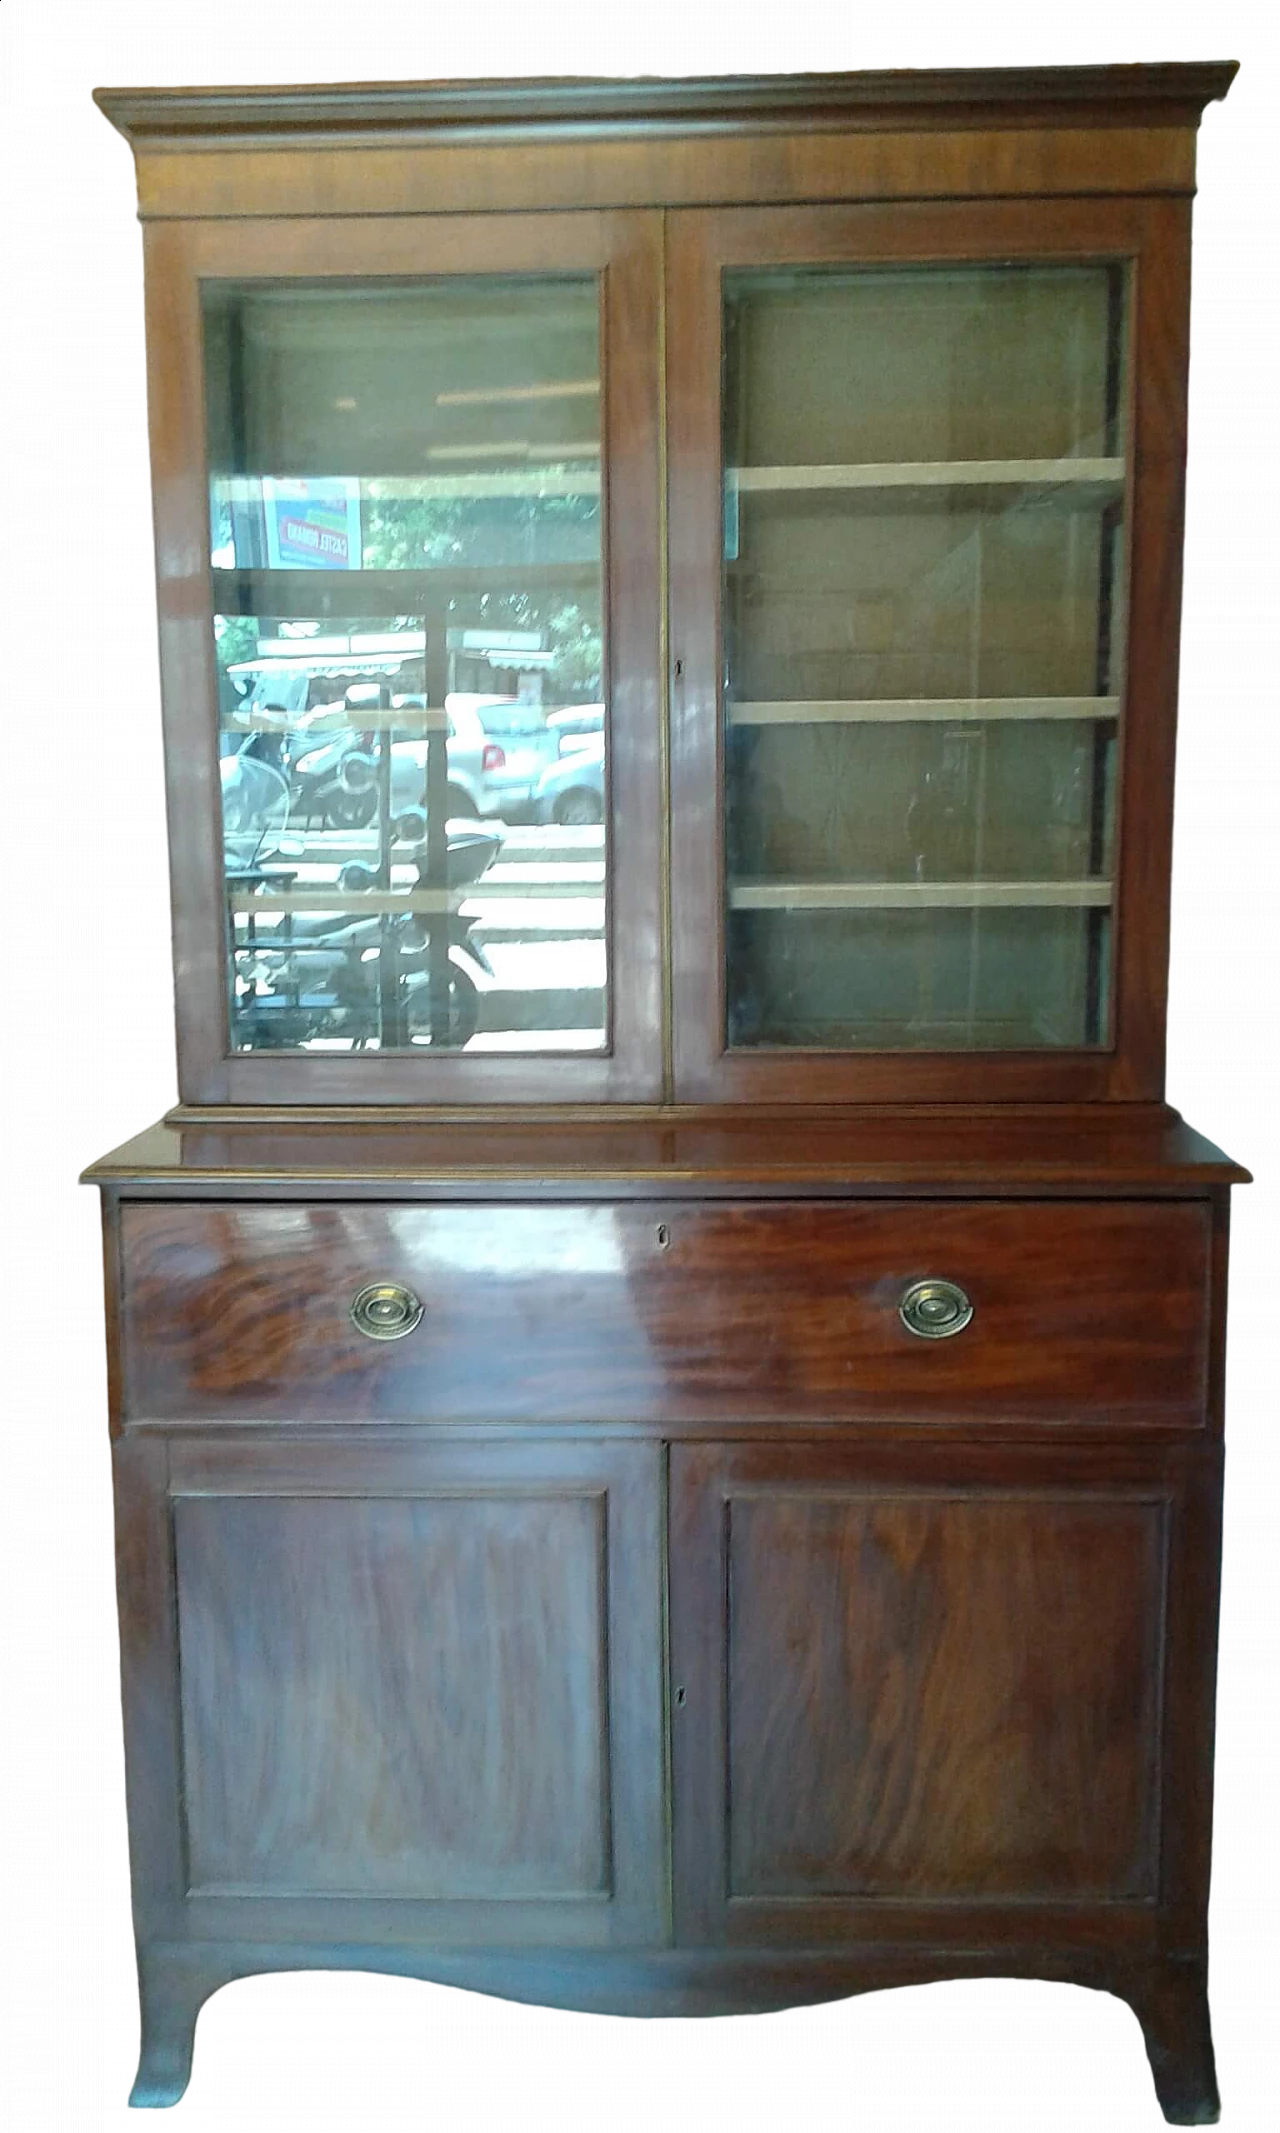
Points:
[1169,1996]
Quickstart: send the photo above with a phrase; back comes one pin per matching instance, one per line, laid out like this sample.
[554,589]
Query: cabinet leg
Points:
[171,1992]
[1171,2002]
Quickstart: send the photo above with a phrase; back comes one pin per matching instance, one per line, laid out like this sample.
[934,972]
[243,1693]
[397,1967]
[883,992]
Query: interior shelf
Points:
[371,903]
[916,895]
[383,592]
[922,709]
[362,718]
[932,474]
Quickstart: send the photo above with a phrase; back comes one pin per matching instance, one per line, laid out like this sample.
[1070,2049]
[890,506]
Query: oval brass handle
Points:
[935,1309]
[386,1311]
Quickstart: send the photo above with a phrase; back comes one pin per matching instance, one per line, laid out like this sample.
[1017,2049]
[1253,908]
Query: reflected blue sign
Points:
[312,524]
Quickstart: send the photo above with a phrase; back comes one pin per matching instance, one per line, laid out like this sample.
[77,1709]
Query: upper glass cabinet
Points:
[405,537]
[922,632]
[719,655]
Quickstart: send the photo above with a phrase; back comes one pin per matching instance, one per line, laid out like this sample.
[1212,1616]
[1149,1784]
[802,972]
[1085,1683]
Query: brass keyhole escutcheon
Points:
[386,1311]
[934,1309]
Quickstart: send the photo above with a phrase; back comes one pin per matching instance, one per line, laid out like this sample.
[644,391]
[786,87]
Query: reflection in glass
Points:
[923,631]
[406,550]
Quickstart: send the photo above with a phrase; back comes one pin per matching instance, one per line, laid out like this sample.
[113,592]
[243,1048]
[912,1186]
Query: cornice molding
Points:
[1161,94]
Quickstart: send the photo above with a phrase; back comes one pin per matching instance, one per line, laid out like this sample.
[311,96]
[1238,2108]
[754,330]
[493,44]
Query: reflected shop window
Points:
[924,556]
[405,539]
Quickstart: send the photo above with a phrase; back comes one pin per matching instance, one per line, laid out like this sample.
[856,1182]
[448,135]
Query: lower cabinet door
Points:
[908,1683]
[418,1690]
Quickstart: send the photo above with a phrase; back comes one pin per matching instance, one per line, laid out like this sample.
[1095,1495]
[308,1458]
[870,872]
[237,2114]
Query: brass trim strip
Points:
[664,661]
[668,1698]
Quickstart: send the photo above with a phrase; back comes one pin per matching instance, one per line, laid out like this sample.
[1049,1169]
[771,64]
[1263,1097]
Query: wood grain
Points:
[394,1697]
[1167,1994]
[993,1150]
[676,167]
[938,1696]
[409,1690]
[783,1311]
[1016,1614]
[1177,91]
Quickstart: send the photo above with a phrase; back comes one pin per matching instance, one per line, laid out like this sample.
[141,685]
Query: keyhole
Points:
[679,668]
[679,1695]
[664,1237]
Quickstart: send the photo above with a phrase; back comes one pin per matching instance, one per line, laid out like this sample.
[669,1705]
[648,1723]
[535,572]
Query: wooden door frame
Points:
[1182,1480]
[1152,235]
[154,1468]
[624,250]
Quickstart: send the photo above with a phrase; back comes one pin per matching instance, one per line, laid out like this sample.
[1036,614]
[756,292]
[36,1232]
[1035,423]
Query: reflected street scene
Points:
[411,700]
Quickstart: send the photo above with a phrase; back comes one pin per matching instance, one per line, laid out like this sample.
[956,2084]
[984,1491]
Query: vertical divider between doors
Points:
[668,1796]
[664,663]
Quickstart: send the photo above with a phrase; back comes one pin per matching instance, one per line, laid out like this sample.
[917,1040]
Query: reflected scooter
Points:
[324,979]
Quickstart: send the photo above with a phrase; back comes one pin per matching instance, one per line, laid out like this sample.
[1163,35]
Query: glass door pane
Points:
[922,638]
[405,532]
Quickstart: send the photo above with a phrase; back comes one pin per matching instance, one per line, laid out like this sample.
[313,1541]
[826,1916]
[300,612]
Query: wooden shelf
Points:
[535,479]
[362,594]
[358,719]
[372,903]
[917,895]
[922,710]
[464,488]
[932,474]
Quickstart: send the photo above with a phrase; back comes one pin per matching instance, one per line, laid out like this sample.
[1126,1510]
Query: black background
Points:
[94,1063]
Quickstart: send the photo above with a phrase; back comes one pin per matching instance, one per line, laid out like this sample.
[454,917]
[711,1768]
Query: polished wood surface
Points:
[969,1683]
[1168,1997]
[776,1312]
[1175,92]
[700,247]
[1010,1151]
[402,1697]
[404,1691]
[661,1628]
[907,1682]
[624,251]
[440,146]
[680,170]
[628,250]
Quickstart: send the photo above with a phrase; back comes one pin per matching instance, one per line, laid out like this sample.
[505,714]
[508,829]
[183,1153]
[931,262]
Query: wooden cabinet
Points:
[666,1370]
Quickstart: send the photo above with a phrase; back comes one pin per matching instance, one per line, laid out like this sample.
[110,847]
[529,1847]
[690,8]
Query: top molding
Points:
[1162,95]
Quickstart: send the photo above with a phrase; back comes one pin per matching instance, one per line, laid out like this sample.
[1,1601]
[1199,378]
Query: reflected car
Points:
[489,776]
[576,723]
[571,792]
[498,749]
[337,778]
[255,796]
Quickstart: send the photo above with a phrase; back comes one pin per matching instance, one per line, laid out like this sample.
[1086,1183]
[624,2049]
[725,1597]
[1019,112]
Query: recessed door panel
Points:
[912,1690]
[426,1680]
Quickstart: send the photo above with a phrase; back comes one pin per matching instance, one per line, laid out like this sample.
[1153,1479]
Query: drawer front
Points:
[780,1311]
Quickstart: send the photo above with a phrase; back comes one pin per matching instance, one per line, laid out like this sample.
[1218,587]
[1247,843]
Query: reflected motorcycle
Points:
[335,975]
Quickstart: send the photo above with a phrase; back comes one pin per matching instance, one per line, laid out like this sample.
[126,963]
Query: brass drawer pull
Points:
[386,1311]
[934,1310]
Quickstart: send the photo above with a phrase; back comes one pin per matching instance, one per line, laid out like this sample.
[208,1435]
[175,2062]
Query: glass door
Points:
[417,670]
[913,705]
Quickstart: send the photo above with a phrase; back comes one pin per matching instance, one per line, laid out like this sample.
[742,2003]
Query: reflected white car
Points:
[572,790]
[497,751]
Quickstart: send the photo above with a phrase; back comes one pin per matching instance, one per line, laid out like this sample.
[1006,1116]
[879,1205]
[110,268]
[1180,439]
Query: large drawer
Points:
[1083,1311]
